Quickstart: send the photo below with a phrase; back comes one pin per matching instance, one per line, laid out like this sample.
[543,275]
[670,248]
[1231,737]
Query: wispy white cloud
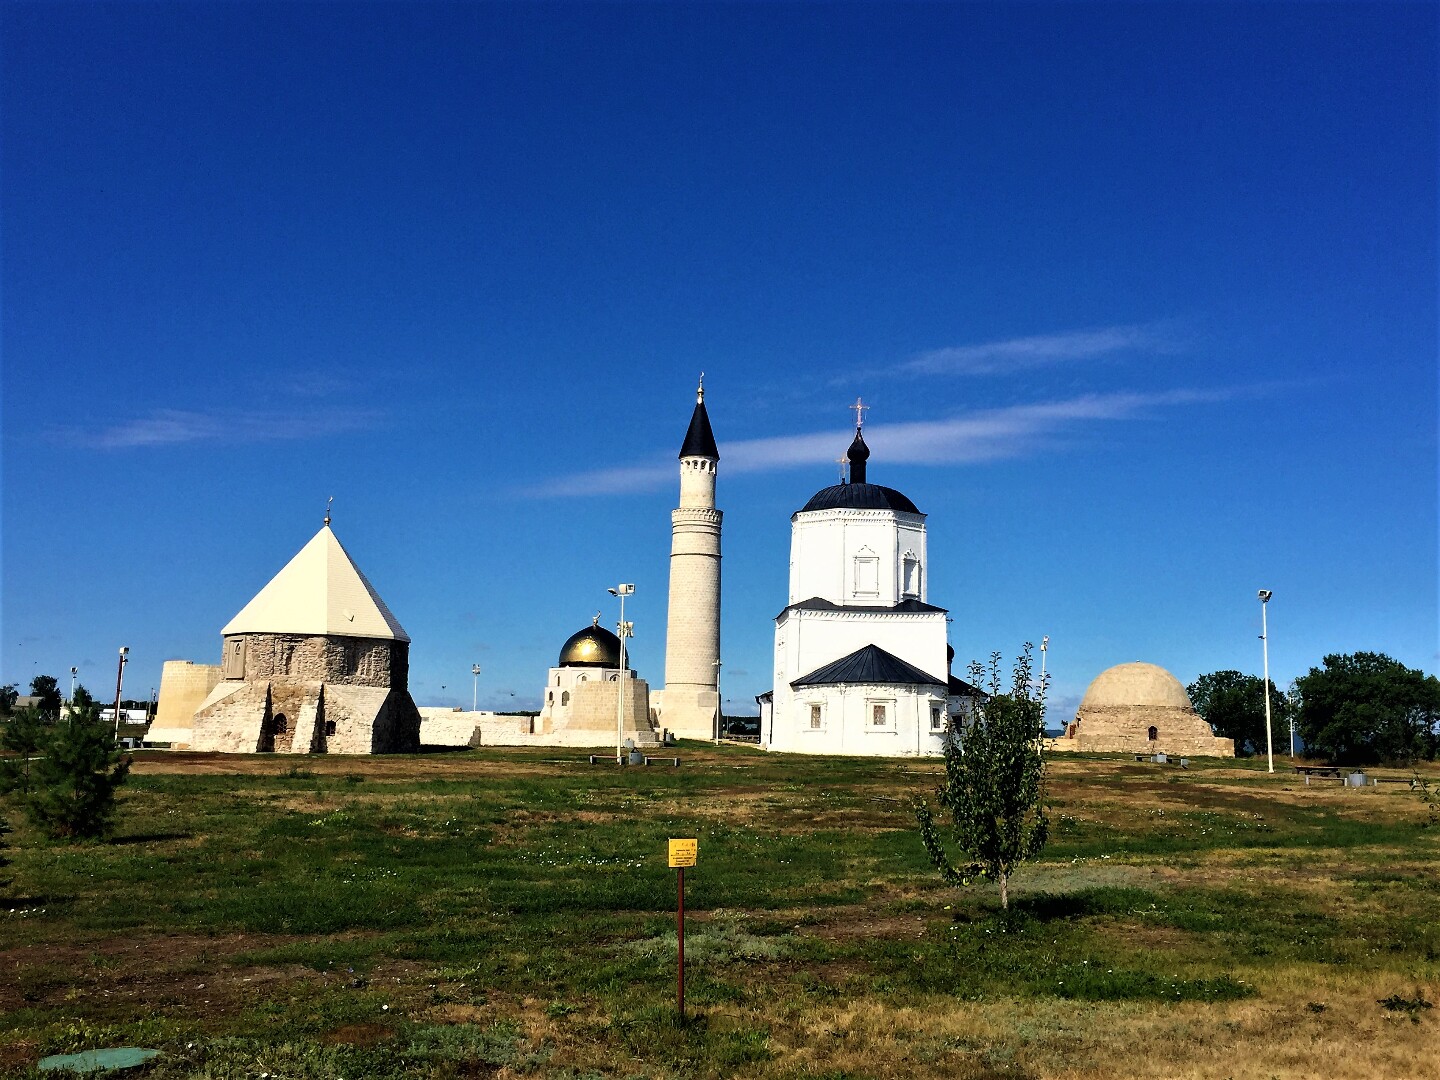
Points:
[1041,350]
[980,436]
[172,427]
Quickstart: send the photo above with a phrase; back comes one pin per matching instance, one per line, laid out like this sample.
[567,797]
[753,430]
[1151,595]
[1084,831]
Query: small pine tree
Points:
[994,784]
[22,736]
[72,790]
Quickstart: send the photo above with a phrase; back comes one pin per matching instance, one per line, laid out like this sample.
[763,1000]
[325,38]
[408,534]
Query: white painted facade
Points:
[858,577]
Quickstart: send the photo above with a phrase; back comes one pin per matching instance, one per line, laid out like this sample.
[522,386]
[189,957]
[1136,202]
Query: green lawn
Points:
[511,913]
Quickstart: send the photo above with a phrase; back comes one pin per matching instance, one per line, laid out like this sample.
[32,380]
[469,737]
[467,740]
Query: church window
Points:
[550,697]
[329,727]
[582,678]
[351,658]
[867,573]
[911,578]
[1153,734]
[565,697]
[879,714]
[282,725]
[816,717]
[937,718]
[287,650]
[557,680]
[614,678]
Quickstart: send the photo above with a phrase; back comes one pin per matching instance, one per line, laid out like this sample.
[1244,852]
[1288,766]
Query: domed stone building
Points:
[581,700]
[1140,708]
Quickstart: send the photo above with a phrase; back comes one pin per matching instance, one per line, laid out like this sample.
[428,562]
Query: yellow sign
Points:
[682,852]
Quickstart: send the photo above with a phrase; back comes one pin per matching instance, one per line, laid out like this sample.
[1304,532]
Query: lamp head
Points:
[1264,595]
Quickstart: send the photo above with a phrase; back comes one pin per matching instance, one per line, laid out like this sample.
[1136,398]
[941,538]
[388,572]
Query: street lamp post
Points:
[1044,648]
[719,705]
[621,591]
[475,688]
[73,672]
[119,681]
[1265,595]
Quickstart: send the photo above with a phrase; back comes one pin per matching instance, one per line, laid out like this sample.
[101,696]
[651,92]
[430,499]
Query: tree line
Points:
[1361,708]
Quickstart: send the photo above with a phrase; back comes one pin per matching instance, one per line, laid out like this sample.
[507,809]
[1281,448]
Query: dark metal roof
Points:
[961,688]
[871,664]
[699,439]
[909,604]
[859,497]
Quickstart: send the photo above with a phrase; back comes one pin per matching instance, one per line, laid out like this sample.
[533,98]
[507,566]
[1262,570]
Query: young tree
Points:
[22,736]
[8,694]
[73,785]
[1234,705]
[994,788]
[1365,707]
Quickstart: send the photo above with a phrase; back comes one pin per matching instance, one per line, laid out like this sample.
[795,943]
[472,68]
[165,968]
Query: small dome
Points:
[1135,684]
[593,646]
[859,497]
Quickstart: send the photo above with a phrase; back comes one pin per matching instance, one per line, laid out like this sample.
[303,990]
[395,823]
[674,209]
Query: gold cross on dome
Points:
[859,408]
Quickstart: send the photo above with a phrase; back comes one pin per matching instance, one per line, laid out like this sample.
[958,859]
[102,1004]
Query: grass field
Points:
[510,913]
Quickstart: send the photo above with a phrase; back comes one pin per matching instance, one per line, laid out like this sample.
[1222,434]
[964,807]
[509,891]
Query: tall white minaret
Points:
[690,704]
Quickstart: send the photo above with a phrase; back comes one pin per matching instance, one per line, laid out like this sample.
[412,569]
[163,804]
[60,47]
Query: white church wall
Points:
[808,640]
[847,721]
[854,557]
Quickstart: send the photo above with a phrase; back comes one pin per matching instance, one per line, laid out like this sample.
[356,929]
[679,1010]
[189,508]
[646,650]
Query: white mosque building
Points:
[861,657]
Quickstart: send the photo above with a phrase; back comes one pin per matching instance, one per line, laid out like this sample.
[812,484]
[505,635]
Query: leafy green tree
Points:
[994,787]
[8,694]
[48,691]
[1234,705]
[73,785]
[1365,707]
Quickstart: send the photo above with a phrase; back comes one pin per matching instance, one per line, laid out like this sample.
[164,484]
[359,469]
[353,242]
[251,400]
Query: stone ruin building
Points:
[314,664]
[1143,709]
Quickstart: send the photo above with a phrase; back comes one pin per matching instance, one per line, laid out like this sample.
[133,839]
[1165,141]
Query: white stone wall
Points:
[826,544]
[846,725]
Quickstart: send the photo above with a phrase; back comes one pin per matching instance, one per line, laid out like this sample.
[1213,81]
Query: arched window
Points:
[550,697]
[910,575]
[565,697]
[614,678]
[282,725]
[1154,734]
[583,678]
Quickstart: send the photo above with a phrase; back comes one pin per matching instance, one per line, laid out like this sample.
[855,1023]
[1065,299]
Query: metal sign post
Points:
[682,854]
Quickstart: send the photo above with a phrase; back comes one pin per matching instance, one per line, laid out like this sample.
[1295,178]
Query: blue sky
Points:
[1143,299]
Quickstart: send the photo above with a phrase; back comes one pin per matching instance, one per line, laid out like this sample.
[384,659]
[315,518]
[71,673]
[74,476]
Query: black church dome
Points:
[859,497]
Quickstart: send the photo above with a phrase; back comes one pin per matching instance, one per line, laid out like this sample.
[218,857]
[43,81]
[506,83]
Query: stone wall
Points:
[304,716]
[335,660]
[1125,729]
[184,686]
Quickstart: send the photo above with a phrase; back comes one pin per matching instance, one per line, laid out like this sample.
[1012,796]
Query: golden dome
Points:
[593,646]
[1135,684]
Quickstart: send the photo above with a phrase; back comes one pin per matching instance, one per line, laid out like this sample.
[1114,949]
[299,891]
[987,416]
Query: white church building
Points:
[861,658]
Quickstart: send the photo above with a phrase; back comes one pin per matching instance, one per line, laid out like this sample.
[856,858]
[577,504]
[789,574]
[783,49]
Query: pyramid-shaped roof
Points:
[871,665]
[322,592]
